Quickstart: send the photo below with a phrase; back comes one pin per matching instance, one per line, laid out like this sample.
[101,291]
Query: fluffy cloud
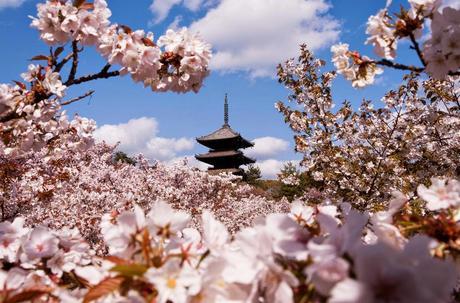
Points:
[255,35]
[270,168]
[161,8]
[140,136]
[452,3]
[266,147]
[11,3]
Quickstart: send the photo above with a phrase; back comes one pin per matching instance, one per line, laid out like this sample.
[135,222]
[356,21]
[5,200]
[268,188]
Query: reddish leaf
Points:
[20,84]
[87,6]
[78,3]
[117,260]
[104,288]
[29,294]
[40,57]
[58,51]
[127,29]
[148,42]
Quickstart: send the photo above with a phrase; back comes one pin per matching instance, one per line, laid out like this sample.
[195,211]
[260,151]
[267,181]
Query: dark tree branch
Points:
[61,64]
[417,48]
[89,93]
[388,63]
[73,70]
[103,74]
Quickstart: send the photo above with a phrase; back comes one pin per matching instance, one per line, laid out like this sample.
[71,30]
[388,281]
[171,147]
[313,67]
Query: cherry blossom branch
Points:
[89,93]
[388,63]
[416,47]
[73,70]
[103,74]
[63,62]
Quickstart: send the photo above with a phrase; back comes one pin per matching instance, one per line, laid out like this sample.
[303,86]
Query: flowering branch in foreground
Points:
[30,111]
[440,55]
[309,255]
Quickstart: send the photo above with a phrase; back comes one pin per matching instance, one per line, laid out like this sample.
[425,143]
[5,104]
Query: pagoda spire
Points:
[225,146]
[226,111]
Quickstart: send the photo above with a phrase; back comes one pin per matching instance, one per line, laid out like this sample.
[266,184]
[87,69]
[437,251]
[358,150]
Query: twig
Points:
[400,66]
[103,74]
[61,64]
[417,48]
[73,70]
[89,93]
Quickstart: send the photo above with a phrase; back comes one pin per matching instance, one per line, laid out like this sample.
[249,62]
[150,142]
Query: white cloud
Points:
[140,136]
[256,35]
[270,168]
[266,147]
[11,3]
[161,8]
[452,3]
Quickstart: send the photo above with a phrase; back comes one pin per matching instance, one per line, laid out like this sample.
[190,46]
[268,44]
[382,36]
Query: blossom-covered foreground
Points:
[325,253]
[82,186]
[74,224]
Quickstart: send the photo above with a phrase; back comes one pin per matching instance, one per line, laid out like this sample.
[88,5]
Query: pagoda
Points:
[224,146]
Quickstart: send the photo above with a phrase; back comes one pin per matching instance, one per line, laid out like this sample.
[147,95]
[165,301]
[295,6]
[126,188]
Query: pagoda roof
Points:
[223,153]
[214,156]
[223,134]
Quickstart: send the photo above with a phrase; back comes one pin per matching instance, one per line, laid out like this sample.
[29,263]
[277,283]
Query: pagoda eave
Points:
[234,142]
[216,157]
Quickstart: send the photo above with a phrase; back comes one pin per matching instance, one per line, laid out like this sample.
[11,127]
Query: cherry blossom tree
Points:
[81,223]
[362,155]
[312,254]
[30,111]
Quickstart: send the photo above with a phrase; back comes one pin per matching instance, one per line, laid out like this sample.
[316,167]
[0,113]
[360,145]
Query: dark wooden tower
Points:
[224,148]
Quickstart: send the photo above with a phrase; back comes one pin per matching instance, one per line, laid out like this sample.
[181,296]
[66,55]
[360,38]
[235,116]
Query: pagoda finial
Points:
[226,111]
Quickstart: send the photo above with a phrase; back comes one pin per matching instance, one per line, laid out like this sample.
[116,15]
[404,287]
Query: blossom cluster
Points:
[30,111]
[363,154]
[322,253]
[361,71]
[32,118]
[34,260]
[74,189]
[180,68]
[439,56]
[442,50]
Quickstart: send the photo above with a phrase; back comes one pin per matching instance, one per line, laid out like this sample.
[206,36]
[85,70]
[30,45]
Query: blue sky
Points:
[248,41]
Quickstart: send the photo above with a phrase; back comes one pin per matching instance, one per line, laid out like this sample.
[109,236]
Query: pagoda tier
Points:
[224,138]
[225,144]
[225,159]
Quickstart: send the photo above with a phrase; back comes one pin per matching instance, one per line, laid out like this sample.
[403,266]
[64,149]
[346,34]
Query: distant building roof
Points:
[224,144]
[225,133]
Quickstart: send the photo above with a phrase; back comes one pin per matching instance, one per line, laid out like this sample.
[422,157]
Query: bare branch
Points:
[103,74]
[61,64]
[388,63]
[73,71]
[417,48]
[89,93]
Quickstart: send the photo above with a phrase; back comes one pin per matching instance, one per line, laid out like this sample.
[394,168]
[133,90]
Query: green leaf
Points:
[130,270]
